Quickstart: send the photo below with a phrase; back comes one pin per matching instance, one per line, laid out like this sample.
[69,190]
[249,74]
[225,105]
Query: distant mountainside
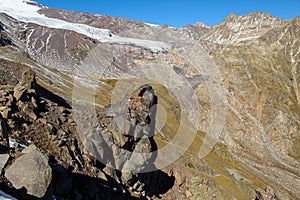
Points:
[228,104]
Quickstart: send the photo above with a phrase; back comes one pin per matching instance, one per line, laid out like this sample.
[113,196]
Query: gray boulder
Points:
[31,171]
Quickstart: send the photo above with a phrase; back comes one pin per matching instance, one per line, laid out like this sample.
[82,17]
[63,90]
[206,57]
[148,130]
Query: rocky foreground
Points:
[42,156]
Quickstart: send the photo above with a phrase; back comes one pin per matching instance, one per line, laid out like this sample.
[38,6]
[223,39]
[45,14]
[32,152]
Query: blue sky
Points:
[178,13]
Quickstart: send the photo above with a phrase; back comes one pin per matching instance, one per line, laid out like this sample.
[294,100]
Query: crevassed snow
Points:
[28,13]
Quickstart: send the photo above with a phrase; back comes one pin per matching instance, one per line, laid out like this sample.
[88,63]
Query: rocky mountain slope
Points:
[116,109]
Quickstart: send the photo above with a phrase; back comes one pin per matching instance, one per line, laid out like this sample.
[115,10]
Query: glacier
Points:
[27,11]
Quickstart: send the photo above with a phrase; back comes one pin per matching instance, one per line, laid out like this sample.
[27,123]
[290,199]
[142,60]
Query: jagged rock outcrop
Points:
[135,137]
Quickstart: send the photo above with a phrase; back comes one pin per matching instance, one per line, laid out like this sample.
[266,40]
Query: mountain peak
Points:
[296,21]
[201,25]
[235,29]
[250,17]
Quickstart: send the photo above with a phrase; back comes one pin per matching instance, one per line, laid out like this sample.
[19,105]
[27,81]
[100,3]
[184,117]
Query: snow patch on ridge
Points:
[27,11]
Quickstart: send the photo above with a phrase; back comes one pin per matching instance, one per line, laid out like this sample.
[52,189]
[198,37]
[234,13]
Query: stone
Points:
[61,133]
[101,175]
[21,104]
[10,99]
[126,177]
[18,92]
[2,108]
[33,101]
[3,160]
[180,178]
[6,113]
[29,111]
[143,146]
[110,172]
[32,171]
[42,120]
[3,99]
[188,194]
[61,109]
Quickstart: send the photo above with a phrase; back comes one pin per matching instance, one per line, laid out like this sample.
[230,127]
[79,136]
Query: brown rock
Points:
[18,92]
[29,111]
[10,99]
[2,108]
[6,112]
[188,194]
[33,101]
[21,104]
[180,178]
[43,121]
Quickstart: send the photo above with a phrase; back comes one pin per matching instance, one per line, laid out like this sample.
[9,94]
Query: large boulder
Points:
[31,171]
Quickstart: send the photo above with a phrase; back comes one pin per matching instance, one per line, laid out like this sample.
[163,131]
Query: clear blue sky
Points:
[178,13]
